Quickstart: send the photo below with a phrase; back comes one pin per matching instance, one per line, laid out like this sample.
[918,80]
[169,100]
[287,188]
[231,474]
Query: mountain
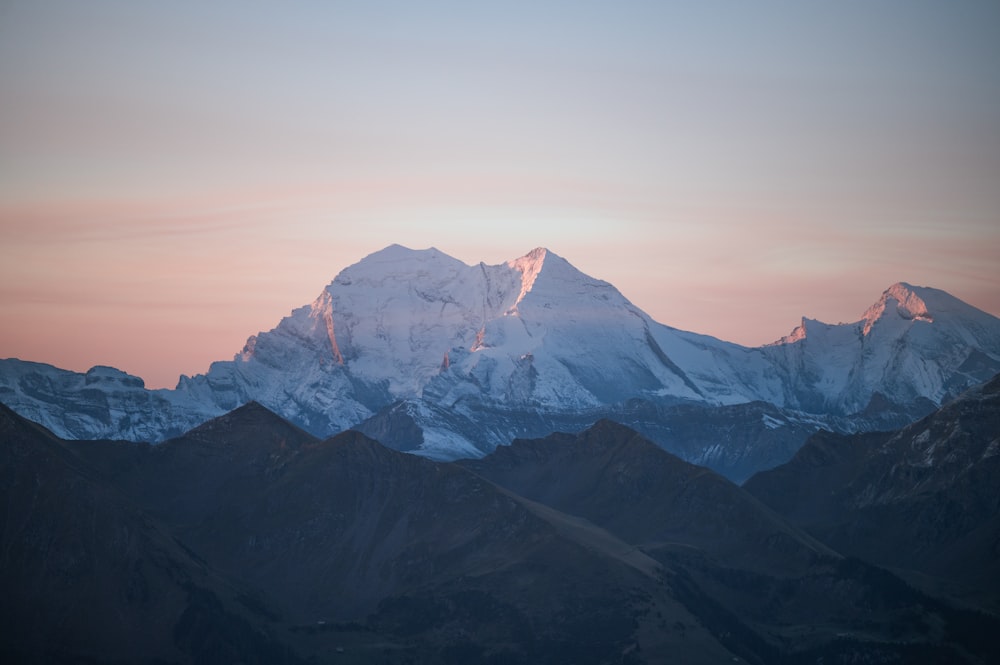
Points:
[103,403]
[248,540]
[616,478]
[449,360]
[90,577]
[916,346]
[774,592]
[921,499]
[533,334]
[346,549]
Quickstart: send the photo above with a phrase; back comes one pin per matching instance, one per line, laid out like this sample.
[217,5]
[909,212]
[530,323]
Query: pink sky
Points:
[173,180]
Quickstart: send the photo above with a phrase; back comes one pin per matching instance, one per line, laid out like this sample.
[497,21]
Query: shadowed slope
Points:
[923,498]
[767,590]
[88,576]
[347,550]
[346,530]
[614,477]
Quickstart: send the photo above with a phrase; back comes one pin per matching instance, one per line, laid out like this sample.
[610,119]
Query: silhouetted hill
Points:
[621,481]
[87,576]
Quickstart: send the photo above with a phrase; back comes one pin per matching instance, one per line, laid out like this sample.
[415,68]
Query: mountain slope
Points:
[771,592]
[89,577]
[399,550]
[615,478]
[923,498]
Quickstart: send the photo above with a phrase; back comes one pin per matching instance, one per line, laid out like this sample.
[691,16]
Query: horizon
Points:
[176,179]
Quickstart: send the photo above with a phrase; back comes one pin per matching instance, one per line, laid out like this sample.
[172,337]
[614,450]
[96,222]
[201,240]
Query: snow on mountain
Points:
[563,340]
[453,359]
[533,332]
[103,403]
[915,345]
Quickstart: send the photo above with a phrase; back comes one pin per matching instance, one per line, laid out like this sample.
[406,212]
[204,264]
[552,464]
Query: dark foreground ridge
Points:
[249,540]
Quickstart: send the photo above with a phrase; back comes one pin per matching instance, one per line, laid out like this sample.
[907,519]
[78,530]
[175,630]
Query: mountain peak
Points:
[908,302]
[559,278]
[537,255]
[397,260]
[530,266]
[898,307]
[396,252]
[247,422]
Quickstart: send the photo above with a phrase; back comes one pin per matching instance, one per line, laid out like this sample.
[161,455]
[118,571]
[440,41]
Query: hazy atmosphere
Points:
[177,176]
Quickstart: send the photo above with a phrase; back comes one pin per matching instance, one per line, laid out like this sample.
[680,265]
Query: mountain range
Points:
[247,539]
[446,360]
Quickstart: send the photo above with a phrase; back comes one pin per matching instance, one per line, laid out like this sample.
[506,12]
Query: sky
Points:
[175,177]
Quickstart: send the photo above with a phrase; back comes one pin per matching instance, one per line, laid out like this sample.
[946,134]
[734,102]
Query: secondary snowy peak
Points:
[900,307]
[903,300]
[914,345]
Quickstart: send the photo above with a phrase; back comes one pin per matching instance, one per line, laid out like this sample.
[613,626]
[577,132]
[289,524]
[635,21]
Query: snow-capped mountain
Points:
[103,403]
[530,334]
[916,344]
[450,360]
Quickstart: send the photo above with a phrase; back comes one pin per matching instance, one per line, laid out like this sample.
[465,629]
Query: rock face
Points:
[924,498]
[249,540]
[448,360]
